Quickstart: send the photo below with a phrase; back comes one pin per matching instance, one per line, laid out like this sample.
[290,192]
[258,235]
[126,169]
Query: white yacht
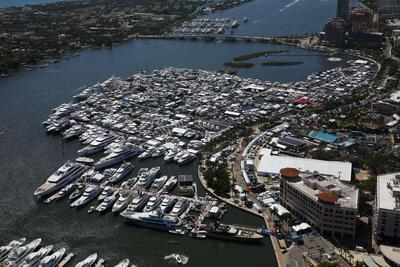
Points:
[123,263]
[34,258]
[186,158]
[170,156]
[121,172]
[66,174]
[147,178]
[90,193]
[107,191]
[4,250]
[167,204]
[123,201]
[88,262]
[136,205]
[153,220]
[53,259]
[158,183]
[17,255]
[152,204]
[118,155]
[170,184]
[178,155]
[145,155]
[97,145]
[180,207]
[107,203]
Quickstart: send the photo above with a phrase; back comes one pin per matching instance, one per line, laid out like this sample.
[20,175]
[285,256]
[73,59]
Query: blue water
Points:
[28,155]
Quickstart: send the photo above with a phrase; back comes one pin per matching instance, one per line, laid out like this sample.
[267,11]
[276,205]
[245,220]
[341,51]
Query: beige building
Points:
[387,209]
[324,202]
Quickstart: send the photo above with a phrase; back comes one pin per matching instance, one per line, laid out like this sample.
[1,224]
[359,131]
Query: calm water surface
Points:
[28,155]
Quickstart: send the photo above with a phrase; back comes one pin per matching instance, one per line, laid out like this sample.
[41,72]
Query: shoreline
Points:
[280,259]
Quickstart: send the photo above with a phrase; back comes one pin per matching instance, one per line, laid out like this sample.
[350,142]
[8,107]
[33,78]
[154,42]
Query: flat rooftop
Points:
[345,196]
[388,189]
[273,164]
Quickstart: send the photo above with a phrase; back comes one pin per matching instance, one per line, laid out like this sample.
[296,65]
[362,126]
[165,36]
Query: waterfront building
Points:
[342,9]
[387,209]
[335,29]
[322,201]
[270,165]
[185,185]
[361,19]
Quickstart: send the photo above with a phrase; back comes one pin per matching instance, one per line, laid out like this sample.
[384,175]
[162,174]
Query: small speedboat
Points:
[178,258]
[89,261]
[123,263]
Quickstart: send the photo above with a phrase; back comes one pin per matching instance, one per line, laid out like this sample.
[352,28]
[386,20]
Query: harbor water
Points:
[28,156]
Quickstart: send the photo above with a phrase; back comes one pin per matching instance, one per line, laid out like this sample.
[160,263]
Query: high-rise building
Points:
[335,29]
[361,19]
[324,202]
[342,9]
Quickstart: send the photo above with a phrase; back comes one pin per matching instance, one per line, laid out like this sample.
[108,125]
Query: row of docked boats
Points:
[18,253]
[181,157]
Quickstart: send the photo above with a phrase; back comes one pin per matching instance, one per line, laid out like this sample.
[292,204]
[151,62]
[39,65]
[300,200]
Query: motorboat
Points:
[169,157]
[90,193]
[145,155]
[107,191]
[52,260]
[118,155]
[107,203]
[123,263]
[76,193]
[153,220]
[17,255]
[4,250]
[123,201]
[65,191]
[137,204]
[87,262]
[158,183]
[97,145]
[35,257]
[66,174]
[152,204]
[186,158]
[178,155]
[158,152]
[72,133]
[170,184]
[180,207]
[109,172]
[121,172]
[147,178]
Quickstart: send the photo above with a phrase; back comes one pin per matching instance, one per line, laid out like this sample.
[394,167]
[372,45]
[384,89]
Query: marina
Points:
[33,154]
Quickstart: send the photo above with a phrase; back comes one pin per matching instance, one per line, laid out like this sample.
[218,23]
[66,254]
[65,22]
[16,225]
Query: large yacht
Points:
[121,172]
[137,204]
[153,220]
[180,207]
[17,255]
[65,191]
[4,250]
[158,183]
[66,174]
[87,262]
[147,178]
[170,184]
[118,155]
[90,193]
[34,258]
[97,145]
[234,233]
[107,203]
[53,259]
[186,158]
[153,203]
[167,204]
[123,201]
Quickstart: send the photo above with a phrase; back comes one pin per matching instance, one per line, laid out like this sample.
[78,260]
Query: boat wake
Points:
[288,5]
[173,257]
[334,59]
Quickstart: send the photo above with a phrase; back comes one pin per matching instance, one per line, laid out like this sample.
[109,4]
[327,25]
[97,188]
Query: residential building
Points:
[322,201]
[361,19]
[387,209]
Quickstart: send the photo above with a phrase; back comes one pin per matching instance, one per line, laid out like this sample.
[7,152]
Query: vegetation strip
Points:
[238,65]
[258,54]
